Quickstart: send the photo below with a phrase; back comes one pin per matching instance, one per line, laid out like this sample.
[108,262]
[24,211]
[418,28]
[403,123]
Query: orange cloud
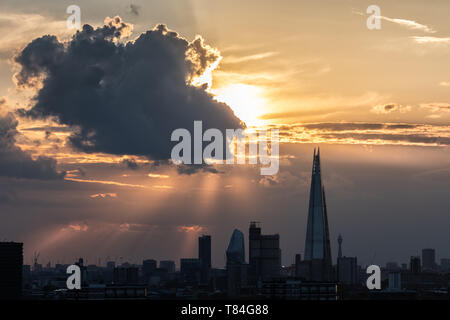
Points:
[155,175]
[115,183]
[75,227]
[104,195]
[193,228]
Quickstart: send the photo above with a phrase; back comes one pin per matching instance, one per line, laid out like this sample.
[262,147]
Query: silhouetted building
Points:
[204,255]
[126,275]
[26,276]
[148,268]
[190,269]
[237,269]
[428,259]
[264,254]
[340,246]
[83,270]
[347,270]
[392,266]
[11,261]
[289,289]
[317,244]
[394,281]
[219,279]
[298,260]
[169,265]
[414,265]
[236,248]
[445,264]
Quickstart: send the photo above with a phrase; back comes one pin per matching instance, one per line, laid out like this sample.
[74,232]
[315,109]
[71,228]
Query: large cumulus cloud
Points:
[18,164]
[123,97]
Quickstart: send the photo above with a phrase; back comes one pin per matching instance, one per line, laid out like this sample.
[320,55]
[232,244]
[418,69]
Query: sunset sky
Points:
[85,124]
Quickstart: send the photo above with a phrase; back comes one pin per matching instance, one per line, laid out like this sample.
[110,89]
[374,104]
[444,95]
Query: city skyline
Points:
[315,277]
[87,114]
[369,257]
[317,251]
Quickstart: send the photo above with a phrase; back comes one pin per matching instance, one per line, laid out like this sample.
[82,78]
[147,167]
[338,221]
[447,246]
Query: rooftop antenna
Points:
[35,258]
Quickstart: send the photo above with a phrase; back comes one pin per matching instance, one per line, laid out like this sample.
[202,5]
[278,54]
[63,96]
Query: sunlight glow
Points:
[247,101]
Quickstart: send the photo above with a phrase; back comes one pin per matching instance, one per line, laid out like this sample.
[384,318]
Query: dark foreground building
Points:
[204,255]
[264,254]
[11,261]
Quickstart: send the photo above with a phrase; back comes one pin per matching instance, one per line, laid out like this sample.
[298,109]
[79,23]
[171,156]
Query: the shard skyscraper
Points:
[317,245]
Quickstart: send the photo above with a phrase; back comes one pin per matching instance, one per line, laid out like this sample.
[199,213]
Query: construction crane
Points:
[36,257]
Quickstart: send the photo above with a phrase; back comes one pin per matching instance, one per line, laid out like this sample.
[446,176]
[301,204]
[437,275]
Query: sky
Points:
[86,117]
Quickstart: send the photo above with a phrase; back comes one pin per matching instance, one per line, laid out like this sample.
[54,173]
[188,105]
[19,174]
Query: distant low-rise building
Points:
[148,268]
[126,275]
[428,259]
[347,270]
[414,264]
[291,289]
[169,265]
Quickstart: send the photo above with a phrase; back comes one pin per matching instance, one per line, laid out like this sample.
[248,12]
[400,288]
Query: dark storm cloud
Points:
[191,169]
[130,164]
[122,98]
[390,107]
[182,169]
[401,126]
[18,164]
[50,129]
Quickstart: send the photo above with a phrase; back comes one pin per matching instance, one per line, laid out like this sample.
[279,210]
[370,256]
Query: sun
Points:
[247,101]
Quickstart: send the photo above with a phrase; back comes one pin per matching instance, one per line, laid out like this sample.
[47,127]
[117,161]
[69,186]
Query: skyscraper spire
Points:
[317,245]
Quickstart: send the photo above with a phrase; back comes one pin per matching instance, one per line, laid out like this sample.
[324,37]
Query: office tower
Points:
[428,259]
[204,255]
[340,246]
[110,265]
[237,269]
[148,268]
[264,254]
[190,269]
[169,265]
[298,261]
[317,244]
[11,261]
[236,248]
[347,270]
[414,264]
